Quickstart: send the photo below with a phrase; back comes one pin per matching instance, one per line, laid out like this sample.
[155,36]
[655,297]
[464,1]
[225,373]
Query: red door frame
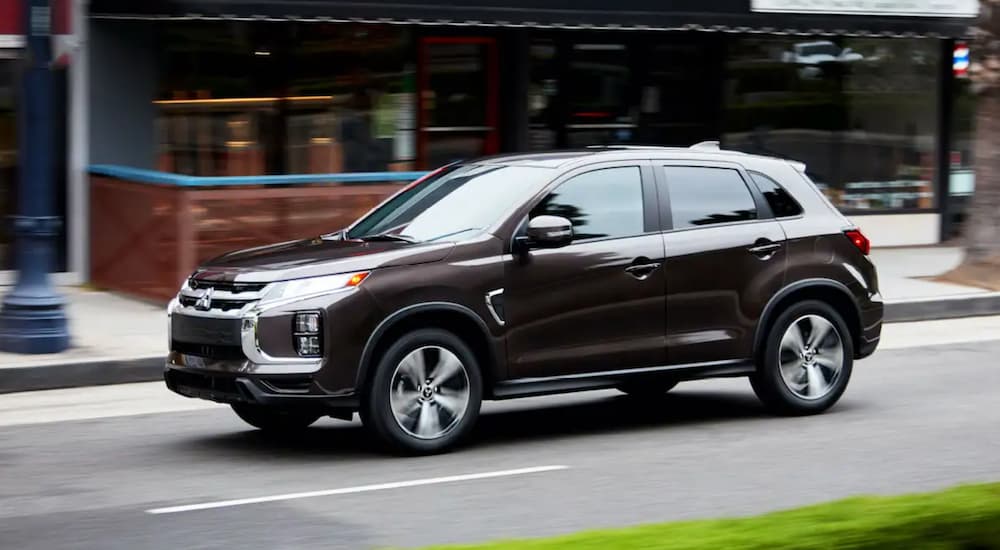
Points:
[492,144]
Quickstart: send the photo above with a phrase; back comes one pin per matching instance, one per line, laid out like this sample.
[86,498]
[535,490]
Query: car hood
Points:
[316,257]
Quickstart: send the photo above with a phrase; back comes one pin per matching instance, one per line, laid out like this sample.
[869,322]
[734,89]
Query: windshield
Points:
[452,202]
[821,48]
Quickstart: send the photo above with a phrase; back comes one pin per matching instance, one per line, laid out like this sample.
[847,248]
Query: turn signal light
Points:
[859,240]
[356,279]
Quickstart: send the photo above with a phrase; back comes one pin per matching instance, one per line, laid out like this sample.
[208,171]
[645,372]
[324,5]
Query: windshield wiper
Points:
[453,233]
[389,237]
[335,236]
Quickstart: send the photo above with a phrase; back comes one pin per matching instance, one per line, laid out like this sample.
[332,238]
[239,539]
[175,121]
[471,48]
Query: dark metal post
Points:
[32,319]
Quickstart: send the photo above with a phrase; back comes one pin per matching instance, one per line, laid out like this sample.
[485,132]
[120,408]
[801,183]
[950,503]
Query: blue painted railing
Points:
[166,178]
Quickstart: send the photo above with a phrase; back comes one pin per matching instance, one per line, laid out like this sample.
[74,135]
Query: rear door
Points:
[725,258]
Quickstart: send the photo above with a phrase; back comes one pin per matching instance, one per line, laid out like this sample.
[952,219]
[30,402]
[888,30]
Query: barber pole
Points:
[960,60]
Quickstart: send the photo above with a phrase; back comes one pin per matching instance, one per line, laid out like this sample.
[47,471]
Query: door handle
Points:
[641,270]
[764,250]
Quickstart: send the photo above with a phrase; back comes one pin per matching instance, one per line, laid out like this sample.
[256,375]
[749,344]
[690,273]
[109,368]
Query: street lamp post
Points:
[32,319]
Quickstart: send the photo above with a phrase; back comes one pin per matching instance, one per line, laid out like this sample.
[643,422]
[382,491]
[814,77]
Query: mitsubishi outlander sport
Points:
[633,268]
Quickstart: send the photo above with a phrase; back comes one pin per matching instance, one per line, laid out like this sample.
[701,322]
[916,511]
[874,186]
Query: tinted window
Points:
[703,196]
[603,203]
[782,204]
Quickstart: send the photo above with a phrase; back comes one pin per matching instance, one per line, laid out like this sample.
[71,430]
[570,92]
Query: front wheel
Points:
[425,393]
[807,360]
[272,419]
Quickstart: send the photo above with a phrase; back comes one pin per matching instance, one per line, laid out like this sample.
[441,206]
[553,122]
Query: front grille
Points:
[209,351]
[224,305]
[227,286]
[205,330]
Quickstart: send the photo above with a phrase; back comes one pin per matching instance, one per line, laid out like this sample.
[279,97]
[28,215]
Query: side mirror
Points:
[549,232]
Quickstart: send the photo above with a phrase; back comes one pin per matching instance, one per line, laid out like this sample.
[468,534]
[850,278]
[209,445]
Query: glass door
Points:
[8,155]
[457,116]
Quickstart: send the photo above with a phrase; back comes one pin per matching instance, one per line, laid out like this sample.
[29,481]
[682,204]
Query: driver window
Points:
[603,204]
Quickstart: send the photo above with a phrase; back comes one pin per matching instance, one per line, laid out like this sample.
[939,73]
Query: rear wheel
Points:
[272,419]
[807,360]
[425,394]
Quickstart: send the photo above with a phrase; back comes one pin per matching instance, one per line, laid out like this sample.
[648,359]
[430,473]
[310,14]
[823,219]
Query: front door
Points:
[596,304]
[457,116]
[723,262]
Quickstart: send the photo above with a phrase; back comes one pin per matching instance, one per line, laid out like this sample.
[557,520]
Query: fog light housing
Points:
[307,330]
[307,323]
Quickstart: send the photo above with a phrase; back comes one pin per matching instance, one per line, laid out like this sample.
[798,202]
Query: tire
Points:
[647,389]
[272,419]
[413,416]
[811,381]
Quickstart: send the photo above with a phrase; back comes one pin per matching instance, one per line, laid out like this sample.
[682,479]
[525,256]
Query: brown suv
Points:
[522,275]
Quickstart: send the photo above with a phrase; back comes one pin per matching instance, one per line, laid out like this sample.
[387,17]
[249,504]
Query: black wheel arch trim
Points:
[401,315]
[770,309]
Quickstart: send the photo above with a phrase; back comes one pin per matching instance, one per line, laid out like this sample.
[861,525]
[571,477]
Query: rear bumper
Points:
[871,327]
[278,391]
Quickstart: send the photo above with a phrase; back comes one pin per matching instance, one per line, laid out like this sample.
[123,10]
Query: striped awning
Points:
[731,16]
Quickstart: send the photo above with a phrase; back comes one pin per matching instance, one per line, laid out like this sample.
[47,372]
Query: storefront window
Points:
[261,98]
[861,113]
[597,92]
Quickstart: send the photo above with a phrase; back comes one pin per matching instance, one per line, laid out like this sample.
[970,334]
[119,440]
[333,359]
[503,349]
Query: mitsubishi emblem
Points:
[204,302]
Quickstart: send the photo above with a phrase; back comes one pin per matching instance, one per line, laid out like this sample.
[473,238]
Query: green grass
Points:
[965,517]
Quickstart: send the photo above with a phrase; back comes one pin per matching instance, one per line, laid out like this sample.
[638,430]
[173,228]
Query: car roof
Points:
[706,151]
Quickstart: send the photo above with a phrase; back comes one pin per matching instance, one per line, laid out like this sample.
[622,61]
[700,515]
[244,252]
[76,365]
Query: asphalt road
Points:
[914,418]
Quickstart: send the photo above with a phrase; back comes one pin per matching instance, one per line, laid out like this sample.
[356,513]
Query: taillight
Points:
[859,240]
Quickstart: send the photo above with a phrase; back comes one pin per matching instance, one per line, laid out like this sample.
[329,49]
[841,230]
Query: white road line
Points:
[352,490]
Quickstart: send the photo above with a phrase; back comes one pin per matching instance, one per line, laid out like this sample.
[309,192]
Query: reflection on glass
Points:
[860,112]
[452,203]
[456,124]
[543,96]
[457,81]
[600,204]
[706,196]
[600,110]
[242,98]
[598,83]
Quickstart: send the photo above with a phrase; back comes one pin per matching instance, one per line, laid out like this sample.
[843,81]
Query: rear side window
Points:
[781,201]
[605,203]
[706,195]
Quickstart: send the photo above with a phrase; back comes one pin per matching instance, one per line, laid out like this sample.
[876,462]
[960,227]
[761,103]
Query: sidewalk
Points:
[114,340]
[118,340]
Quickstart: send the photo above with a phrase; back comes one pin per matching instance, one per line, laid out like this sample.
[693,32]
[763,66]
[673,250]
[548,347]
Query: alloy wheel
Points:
[430,392]
[811,357]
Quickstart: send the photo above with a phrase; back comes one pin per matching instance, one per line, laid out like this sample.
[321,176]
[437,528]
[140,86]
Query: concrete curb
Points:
[149,369]
[81,373]
[943,307]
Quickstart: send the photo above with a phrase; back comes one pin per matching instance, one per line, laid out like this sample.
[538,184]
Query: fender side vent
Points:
[494,302]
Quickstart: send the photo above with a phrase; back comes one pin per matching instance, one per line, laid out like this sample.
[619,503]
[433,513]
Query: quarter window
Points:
[705,196]
[605,203]
[781,202]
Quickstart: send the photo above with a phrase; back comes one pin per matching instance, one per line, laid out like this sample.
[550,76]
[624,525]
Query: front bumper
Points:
[233,387]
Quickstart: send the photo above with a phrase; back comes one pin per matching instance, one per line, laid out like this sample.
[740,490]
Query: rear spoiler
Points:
[800,166]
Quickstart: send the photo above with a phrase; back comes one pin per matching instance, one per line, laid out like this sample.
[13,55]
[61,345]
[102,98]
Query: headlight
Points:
[315,285]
